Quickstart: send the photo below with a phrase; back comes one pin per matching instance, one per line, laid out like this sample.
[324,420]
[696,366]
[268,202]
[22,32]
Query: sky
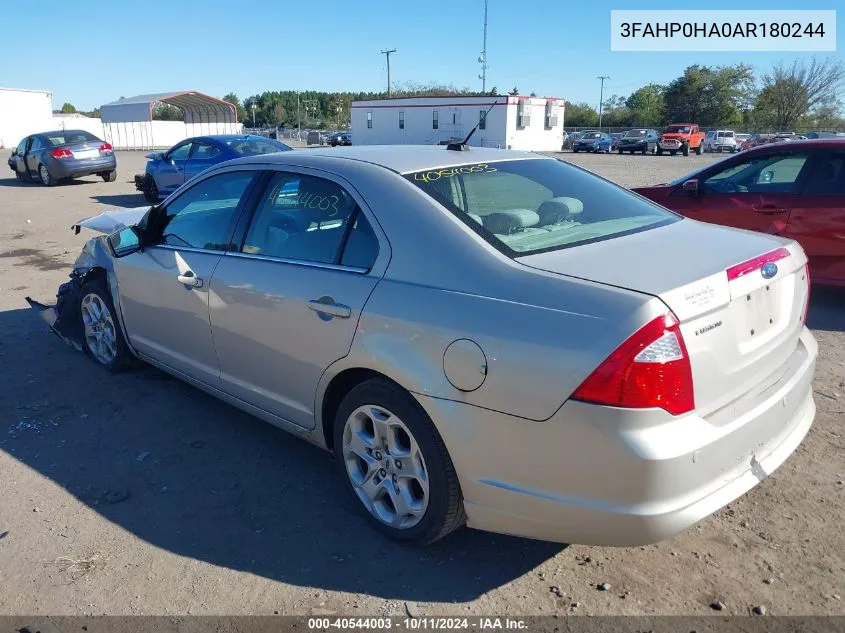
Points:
[93,53]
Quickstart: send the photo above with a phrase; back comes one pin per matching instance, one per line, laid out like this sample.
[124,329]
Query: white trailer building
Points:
[513,122]
[23,112]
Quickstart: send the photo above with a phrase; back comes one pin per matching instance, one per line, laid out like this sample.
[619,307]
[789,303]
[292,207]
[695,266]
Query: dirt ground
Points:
[137,494]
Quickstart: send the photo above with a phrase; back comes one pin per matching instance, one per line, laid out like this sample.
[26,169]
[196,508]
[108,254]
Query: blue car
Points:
[592,141]
[167,171]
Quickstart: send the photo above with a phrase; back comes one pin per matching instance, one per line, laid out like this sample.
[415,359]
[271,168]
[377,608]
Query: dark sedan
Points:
[640,140]
[167,171]
[52,157]
[339,138]
[588,141]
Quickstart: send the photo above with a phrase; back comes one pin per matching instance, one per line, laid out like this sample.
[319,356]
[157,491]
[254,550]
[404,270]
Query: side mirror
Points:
[125,241]
[14,151]
[691,186]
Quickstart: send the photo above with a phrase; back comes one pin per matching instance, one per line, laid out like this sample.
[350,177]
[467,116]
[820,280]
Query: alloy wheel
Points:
[100,334]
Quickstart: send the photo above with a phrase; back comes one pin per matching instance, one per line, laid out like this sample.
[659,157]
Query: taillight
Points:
[756,263]
[61,153]
[807,298]
[105,148]
[650,369]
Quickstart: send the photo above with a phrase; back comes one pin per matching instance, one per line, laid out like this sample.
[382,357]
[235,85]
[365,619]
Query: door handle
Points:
[332,308]
[769,209]
[190,279]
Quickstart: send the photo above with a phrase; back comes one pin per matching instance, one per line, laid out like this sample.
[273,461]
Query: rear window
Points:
[523,207]
[68,138]
[254,146]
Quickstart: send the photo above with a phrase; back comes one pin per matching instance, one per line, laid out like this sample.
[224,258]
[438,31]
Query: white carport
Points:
[128,123]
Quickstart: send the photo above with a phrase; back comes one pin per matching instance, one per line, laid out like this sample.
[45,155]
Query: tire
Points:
[111,351]
[46,179]
[643,150]
[673,151]
[441,506]
[109,176]
[685,149]
[698,150]
[659,151]
[150,190]
[574,151]
[620,152]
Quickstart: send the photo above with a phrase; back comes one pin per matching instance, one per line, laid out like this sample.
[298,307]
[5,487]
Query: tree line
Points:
[804,95]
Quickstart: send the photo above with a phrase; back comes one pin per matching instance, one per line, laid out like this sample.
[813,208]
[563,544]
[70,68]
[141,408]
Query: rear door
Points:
[287,302]
[204,155]
[817,220]
[748,192]
[170,174]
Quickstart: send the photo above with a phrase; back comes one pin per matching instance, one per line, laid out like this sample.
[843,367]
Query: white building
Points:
[513,122]
[23,112]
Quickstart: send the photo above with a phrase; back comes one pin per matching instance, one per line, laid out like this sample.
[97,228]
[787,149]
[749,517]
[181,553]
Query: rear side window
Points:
[531,206]
[768,173]
[255,146]
[828,177]
[309,219]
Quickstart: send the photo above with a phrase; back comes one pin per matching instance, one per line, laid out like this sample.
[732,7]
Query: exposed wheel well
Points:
[341,385]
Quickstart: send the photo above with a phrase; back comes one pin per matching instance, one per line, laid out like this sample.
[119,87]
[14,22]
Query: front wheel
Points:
[685,150]
[46,179]
[150,190]
[103,338]
[109,176]
[395,465]
[673,152]
[659,151]
[620,152]
[574,151]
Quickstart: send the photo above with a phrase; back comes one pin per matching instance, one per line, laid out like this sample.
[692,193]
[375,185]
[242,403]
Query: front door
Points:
[20,156]
[754,193]
[170,175]
[287,303]
[164,289]
[817,221]
[203,156]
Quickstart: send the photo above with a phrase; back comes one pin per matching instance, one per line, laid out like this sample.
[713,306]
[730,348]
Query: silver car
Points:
[53,157]
[482,337]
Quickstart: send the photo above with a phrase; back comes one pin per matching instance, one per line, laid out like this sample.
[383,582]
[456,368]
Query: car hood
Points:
[632,139]
[110,221]
[675,134]
[587,140]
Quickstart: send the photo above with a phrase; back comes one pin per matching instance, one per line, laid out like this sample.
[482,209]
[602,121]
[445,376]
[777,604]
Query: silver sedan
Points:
[481,337]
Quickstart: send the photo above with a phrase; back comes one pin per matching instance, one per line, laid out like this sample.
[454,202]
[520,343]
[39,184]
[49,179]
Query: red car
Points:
[794,189]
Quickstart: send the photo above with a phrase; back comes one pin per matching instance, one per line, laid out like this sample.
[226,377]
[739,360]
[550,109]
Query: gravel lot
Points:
[139,494]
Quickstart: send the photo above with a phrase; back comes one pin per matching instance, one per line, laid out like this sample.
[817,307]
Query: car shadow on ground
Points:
[189,474]
[35,182]
[128,200]
[827,309]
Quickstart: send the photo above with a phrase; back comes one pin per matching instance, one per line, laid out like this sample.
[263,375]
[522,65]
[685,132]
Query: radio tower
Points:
[483,57]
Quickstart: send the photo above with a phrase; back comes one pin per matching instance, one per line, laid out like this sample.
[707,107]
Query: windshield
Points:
[69,137]
[591,135]
[634,134]
[677,129]
[253,146]
[725,134]
[531,206]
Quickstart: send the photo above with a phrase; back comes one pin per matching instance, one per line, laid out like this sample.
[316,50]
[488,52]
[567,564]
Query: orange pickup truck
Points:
[683,137]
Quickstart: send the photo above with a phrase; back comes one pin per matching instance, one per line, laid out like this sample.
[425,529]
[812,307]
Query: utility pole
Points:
[253,114]
[387,53]
[298,119]
[601,95]
[483,58]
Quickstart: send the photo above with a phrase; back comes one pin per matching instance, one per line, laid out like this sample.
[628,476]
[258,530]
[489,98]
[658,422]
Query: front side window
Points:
[770,173]
[204,216]
[204,151]
[524,207]
[180,152]
[309,219]
[369,120]
[435,120]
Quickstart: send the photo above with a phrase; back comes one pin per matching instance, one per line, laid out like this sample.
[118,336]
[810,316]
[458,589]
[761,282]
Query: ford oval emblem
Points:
[769,270]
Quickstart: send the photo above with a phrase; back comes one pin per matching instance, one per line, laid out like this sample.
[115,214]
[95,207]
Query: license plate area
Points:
[86,153]
[757,313]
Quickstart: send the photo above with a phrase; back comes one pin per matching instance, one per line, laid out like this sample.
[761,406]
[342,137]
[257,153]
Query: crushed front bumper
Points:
[60,317]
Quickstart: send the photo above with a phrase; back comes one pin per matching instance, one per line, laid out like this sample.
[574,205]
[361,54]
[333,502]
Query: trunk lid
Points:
[739,326]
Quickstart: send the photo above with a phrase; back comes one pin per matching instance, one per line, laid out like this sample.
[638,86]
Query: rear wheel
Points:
[109,176]
[395,465]
[698,150]
[46,179]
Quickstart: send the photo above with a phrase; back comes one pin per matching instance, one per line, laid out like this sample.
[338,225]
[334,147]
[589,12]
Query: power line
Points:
[387,53]
[601,95]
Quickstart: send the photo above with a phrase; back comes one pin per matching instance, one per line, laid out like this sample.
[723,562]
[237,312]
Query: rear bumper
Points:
[605,476]
[71,168]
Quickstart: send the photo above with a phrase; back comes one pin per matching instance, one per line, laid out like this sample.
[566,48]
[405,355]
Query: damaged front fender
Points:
[95,262]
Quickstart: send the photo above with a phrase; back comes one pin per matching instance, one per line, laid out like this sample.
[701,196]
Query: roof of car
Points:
[804,142]
[400,158]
